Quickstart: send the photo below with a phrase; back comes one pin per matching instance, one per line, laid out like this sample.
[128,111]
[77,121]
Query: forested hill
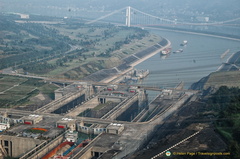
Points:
[226,101]
[66,47]
[22,43]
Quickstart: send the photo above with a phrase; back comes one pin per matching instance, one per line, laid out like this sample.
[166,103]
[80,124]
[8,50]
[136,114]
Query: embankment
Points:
[227,74]
[107,75]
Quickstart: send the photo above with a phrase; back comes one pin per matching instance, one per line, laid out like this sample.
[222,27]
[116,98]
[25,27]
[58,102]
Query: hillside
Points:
[24,93]
[66,48]
[218,79]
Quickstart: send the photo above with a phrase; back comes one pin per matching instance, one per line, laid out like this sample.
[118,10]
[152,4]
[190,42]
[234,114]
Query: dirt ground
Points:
[178,127]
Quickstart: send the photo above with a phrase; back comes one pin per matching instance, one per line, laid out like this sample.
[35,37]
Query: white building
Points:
[4,126]
[71,136]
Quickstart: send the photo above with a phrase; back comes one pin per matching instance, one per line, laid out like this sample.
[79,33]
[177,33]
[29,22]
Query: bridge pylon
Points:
[128,16]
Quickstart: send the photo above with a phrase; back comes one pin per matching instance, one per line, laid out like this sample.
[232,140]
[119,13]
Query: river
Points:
[200,57]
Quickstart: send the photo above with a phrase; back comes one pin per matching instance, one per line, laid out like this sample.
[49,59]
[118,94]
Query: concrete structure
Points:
[68,97]
[18,146]
[115,97]
[71,136]
[5,119]
[100,145]
[128,16]
[119,139]
[133,89]
[78,86]
[142,98]
[4,126]
[67,123]
[90,130]
[97,131]
[112,87]
[115,128]
[32,119]
[84,129]
[43,148]
[167,92]
[122,107]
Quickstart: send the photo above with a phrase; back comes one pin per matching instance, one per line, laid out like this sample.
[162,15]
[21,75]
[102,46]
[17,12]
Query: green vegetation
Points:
[104,47]
[226,101]
[15,91]
[68,49]
[28,43]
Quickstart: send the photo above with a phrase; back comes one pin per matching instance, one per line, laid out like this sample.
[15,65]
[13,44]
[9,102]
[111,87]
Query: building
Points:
[115,97]
[67,123]
[18,146]
[32,119]
[133,89]
[88,130]
[115,128]
[167,92]
[4,126]
[112,87]
[71,136]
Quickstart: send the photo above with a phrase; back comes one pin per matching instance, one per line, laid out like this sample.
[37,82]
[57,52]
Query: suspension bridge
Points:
[130,16]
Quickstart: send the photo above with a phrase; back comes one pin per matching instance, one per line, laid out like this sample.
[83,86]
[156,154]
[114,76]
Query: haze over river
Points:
[200,57]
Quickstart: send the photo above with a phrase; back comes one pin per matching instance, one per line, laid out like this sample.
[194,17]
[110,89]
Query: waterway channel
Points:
[200,57]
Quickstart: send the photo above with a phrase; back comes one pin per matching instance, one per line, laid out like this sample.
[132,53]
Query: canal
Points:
[200,57]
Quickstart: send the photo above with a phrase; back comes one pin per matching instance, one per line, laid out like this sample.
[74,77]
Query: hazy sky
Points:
[228,8]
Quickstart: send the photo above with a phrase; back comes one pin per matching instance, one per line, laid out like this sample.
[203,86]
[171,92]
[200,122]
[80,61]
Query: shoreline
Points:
[115,77]
[194,33]
[227,61]
[151,54]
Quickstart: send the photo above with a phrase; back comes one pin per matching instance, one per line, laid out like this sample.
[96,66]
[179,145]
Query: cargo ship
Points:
[179,50]
[166,51]
[184,43]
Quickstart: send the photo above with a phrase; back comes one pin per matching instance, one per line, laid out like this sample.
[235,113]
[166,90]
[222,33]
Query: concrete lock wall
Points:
[17,146]
[47,148]
[126,106]
[116,100]
[88,154]
[58,94]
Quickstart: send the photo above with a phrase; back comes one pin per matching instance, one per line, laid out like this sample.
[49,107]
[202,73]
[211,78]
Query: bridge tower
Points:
[128,16]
